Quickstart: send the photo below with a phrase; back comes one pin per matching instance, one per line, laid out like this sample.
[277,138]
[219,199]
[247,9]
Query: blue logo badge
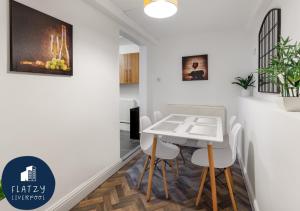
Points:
[28,183]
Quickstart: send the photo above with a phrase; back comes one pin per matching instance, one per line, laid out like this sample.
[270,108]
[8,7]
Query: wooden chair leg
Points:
[231,179]
[143,173]
[151,170]
[165,178]
[230,189]
[201,186]
[177,167]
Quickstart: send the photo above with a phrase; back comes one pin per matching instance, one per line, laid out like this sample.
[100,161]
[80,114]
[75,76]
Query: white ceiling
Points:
[193,16]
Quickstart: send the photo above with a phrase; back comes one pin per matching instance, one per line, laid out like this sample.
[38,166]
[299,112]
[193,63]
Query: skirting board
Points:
[79,193]
[249,188]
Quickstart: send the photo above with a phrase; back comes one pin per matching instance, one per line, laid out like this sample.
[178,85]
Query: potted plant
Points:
[246,84]
[284,71]
[2,196]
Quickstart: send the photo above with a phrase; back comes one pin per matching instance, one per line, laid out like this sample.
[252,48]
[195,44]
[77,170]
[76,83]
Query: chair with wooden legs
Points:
[222,145]
[157,115]
[164,152]
[224,159]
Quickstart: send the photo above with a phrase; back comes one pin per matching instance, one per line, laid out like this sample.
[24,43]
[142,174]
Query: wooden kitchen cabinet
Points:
[129,68]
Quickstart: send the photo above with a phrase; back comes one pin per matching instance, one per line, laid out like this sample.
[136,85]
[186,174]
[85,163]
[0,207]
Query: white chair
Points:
[180,142]
[223,159]
[157,115]
[225,142]
[164,151]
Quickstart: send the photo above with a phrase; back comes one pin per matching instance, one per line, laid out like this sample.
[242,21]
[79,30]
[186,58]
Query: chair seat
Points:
[222,145]
[165,151]
[222,158]
[173,140]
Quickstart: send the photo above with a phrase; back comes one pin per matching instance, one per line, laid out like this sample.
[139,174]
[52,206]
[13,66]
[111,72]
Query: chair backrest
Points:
[146,140]
[157,115]
[231,123]
[233,140]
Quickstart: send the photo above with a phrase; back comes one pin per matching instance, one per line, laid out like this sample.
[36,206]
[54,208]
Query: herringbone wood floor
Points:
[116,194]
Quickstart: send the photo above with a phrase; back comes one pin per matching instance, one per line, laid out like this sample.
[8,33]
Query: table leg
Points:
[151,168]
[212,177]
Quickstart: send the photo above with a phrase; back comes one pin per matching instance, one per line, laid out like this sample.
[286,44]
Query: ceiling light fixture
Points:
[160,8]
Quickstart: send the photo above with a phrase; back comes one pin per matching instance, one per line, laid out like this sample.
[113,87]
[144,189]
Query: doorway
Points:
[129,71]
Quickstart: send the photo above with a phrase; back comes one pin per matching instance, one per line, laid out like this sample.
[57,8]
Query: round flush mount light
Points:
[160,8]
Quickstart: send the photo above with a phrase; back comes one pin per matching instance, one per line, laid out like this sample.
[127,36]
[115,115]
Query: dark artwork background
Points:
[30,41]
[195,68]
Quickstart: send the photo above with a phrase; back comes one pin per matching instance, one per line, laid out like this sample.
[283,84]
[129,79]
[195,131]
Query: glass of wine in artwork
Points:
[195,68]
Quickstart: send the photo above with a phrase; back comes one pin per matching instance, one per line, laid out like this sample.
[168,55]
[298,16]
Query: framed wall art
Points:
[39,43]
[195,68]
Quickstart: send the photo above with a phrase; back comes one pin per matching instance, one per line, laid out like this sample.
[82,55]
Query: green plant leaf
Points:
[245,82]
[284,68]
[2,196]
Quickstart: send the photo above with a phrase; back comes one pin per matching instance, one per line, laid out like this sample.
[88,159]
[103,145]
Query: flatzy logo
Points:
[28,183]
[29,175]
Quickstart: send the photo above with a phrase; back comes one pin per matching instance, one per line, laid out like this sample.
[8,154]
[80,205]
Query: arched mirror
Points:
[269,36]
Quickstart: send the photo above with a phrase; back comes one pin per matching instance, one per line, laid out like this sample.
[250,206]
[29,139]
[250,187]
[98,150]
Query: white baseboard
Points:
[253,201]
[79,193]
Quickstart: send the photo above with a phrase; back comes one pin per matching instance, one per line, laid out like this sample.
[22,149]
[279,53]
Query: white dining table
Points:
[200,128]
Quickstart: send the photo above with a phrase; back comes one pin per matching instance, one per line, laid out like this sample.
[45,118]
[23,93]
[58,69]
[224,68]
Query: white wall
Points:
[271,145]
[129,91]
[144,85]
[227,55]
[270,151]
[70,122]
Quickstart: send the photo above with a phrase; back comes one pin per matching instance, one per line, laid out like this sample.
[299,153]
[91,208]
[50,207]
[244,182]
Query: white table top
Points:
[202,128]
